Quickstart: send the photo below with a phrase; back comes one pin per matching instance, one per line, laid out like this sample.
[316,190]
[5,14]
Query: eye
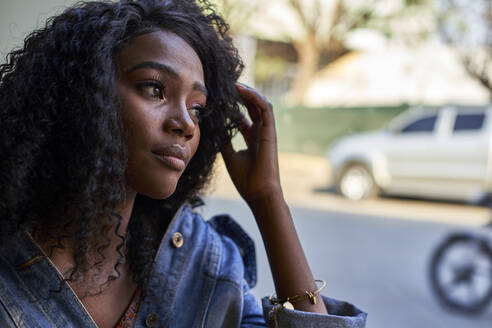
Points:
[152,89]
[195,111]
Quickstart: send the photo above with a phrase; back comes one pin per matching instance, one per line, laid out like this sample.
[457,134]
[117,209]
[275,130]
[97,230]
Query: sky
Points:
[477,30]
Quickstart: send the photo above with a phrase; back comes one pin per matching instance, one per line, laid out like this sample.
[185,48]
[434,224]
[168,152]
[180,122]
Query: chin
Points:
[161,193]
[156,188]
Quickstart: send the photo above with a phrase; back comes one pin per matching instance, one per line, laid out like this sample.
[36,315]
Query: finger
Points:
[253,110]
[253,98]
[229,155]
[245,127]
[244,123]
[260,110]
[263,128]
[227,151]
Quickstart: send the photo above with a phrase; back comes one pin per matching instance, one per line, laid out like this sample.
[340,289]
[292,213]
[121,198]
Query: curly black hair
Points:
[63,155]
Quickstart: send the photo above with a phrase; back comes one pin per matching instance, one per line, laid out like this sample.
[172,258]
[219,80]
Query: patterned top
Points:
[128,318]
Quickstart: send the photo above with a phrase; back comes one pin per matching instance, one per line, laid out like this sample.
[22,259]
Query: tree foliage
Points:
[325,26]
[319,28]
[467,26]
[237,13]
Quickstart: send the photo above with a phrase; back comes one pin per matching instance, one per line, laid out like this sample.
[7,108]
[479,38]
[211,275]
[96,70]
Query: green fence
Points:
[312,130]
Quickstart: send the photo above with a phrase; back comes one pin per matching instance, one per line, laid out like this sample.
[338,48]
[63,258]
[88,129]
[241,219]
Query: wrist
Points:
[263,203]
[267,193]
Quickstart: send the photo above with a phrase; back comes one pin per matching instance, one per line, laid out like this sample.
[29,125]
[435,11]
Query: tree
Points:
[467,26]
[315,39]
[319,28]
[237,13]
[315,27]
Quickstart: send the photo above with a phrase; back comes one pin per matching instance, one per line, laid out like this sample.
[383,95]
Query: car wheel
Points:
[461,273]
[356,182]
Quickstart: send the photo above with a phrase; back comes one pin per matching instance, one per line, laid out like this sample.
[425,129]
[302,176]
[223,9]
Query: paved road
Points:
[379,264]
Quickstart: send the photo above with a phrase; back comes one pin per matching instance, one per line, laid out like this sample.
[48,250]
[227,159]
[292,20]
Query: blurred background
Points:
[383,112]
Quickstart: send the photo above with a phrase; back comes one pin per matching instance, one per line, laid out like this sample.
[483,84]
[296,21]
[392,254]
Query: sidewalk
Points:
[305,181]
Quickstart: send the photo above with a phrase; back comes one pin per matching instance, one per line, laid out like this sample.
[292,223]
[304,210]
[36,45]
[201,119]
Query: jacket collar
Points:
[45,285]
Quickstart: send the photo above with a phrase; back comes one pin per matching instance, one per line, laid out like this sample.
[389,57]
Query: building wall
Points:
[428,74]
[19,17]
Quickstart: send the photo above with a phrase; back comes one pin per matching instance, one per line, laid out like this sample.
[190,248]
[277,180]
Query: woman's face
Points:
[162,90]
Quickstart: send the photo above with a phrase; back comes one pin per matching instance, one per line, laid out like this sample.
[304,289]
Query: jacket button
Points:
[178,240]
[151,320]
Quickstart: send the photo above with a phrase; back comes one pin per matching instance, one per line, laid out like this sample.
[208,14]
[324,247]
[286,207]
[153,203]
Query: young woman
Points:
[110,121]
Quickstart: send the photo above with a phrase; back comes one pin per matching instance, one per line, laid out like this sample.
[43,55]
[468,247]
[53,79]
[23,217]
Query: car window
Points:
[467,122]
[425,124]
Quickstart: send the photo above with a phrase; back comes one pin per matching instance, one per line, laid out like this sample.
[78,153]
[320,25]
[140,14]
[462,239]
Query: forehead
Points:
[161,47]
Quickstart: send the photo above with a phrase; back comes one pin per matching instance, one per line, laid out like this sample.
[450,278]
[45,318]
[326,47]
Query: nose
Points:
[179,122]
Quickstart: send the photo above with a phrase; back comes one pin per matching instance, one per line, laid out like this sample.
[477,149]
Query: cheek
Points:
[136,133]
[139,123]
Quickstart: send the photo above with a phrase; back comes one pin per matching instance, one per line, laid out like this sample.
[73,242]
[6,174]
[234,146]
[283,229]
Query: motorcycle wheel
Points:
[461,273]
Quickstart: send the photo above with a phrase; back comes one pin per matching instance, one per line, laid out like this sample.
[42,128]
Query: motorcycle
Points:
[461,269]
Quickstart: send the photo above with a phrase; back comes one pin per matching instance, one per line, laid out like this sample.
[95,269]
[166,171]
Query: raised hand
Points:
[254,170]
[255,174]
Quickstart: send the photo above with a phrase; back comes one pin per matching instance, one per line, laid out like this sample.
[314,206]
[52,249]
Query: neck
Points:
[124,210]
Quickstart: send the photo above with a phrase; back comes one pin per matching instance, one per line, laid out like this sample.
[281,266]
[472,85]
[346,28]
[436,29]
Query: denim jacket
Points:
[201,277]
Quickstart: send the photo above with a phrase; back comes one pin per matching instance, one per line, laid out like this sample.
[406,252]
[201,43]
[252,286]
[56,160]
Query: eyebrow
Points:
[197,86]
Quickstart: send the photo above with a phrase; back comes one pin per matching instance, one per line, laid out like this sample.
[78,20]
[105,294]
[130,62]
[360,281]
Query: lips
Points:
[175,156]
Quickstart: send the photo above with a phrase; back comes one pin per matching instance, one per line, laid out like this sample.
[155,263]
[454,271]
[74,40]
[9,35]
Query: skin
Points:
[255,173]
[162,89]
[161,85]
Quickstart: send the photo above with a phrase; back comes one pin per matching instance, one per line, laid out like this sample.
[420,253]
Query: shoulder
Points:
[238,249]
[22,285]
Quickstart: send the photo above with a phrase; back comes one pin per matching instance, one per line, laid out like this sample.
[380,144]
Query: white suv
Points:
[441,153]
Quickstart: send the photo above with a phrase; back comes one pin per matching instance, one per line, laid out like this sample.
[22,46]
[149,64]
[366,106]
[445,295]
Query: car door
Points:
[462,155]
[410,154]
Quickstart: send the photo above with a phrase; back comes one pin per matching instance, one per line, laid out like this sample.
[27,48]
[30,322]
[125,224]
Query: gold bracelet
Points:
[289,301]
